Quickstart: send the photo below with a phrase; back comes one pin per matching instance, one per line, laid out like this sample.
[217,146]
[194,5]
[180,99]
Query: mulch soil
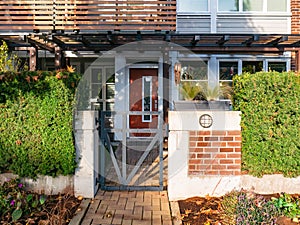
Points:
[58,209]
[207,211]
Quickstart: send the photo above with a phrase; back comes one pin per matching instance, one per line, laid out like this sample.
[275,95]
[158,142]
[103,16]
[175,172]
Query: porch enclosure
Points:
[82,15]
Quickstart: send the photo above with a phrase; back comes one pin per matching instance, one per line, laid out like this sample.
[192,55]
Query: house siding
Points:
[239,22]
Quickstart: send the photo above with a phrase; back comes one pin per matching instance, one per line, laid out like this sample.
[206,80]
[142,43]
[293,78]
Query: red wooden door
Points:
[143,97]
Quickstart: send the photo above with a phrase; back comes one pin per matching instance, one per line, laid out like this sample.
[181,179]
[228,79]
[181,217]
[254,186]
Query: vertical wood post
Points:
[297,66]
[33,55]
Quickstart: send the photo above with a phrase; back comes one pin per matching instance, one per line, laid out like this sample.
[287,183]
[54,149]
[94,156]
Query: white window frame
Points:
[264,9]
[180,2]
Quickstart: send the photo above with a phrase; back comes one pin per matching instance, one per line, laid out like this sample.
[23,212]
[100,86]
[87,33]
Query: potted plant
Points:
[199,96]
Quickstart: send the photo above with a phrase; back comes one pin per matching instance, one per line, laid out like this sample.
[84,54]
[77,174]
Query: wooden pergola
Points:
[199,43]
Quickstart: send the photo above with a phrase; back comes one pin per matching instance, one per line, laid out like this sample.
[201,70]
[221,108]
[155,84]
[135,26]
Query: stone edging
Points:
[83,208]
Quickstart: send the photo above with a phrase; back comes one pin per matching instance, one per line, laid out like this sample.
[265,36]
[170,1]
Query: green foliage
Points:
[269,103]
[9,62]
[193,90]
[288,205]
[229,207]
[36,123]
[15,203]
[253,209]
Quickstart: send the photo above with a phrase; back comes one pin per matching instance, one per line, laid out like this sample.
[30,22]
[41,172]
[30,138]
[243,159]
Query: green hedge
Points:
[270,106]
[36,123]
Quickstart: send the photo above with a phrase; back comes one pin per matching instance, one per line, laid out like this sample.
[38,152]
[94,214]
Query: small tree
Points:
[9,62]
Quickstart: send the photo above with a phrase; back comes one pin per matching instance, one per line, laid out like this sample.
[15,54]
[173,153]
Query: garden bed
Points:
[241,208]
[18,206]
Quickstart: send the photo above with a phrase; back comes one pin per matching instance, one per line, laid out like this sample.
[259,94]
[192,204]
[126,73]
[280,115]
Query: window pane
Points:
[252,66]
[277,5]
[96,91]
[227,70]
[96,75]
[192,5]
[252,5]
[277,66]
[228,5]
[110,91]
[194,70]
[110,75]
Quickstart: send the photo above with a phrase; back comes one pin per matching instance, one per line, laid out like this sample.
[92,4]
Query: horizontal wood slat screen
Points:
[87,15]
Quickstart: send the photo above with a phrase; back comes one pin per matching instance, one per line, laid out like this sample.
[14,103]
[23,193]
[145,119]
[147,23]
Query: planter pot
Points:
[217,105]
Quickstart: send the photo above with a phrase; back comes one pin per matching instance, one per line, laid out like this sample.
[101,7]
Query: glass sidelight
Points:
[147,97]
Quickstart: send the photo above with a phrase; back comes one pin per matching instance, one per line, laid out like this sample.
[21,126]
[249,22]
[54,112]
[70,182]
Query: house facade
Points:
[136,55]
[229,37]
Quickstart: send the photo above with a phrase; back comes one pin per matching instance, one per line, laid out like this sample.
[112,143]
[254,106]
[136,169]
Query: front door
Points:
[143,98]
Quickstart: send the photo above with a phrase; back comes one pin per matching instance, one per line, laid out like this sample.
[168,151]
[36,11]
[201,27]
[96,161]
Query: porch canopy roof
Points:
[206,43]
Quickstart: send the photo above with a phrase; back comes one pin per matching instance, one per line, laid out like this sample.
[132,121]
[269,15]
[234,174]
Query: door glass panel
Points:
[252,5]
[277,66]
[192,5]
[110,91]
[277,5]
[228,5]
[96,82]
[252,66]
[96,75]
[147,97]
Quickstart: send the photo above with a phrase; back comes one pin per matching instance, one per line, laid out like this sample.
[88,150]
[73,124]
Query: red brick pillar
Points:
[295,10]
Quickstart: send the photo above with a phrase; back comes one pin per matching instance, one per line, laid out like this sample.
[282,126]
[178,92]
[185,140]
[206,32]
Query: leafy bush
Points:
[36,123]
[269,103]
[252,209]
[16,203]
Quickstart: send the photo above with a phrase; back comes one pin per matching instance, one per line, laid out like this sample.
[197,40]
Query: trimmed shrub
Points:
[36,123]
[269,103]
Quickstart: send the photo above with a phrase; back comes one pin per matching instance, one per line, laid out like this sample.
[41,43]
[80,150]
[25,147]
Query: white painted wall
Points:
[87,149]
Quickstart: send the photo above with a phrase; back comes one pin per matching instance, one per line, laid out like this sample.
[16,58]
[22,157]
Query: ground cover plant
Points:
[241,208]
[270,106]
[18,206]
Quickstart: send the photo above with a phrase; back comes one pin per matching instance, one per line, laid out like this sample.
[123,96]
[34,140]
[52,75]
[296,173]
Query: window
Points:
[103,86]
[252,66]
[277,5]
[227,70]
[277,66]
[192,5]
[228,5]
[194,76]
[252,5]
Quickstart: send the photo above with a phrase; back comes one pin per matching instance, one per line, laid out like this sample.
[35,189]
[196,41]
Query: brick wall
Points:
[295,10]
[214,153]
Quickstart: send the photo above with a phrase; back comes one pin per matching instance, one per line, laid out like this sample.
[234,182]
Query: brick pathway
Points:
[129,208]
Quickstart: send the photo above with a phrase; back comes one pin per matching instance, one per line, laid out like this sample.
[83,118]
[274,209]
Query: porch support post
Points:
[166,84]
[297,66]
[87,153]
[33,55]
[59,58]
